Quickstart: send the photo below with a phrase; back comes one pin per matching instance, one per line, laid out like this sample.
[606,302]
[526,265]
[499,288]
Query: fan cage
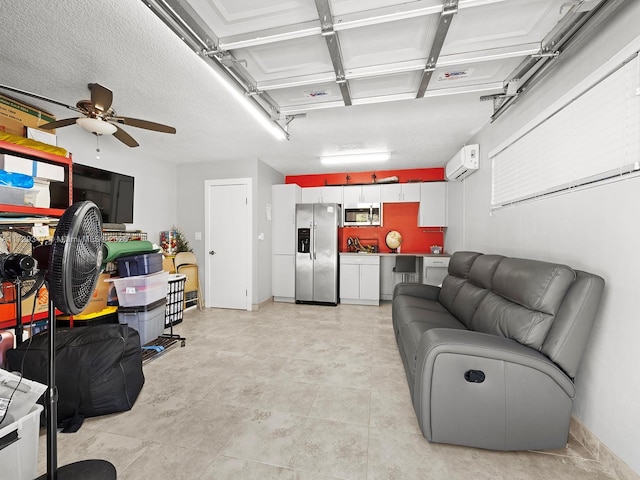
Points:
[76,257]
[16,240]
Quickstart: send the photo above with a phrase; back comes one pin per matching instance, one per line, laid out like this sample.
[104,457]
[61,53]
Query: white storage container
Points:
[12,195]
[19,447]
[140,290]
[24,394]
[33,168]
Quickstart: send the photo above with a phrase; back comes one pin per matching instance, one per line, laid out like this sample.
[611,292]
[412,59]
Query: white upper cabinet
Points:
[329,194]
[361,194]
[332,195]
[433,204]
[312,195]
[400,192]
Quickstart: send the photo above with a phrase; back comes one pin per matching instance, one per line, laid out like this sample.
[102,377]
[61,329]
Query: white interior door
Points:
[228,246]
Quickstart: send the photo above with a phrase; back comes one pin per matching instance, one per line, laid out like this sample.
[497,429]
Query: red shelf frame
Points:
[26,319]
[33,154]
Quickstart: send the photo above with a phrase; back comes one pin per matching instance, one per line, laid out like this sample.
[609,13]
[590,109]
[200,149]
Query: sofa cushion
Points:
[483,270]
[411,333]
[414,310]
[526,296]
[460,265]
[499,316]
[404,301]
[472,292]
[536,285]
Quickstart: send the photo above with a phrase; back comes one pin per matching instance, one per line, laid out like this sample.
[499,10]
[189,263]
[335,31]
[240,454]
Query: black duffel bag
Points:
[98,369]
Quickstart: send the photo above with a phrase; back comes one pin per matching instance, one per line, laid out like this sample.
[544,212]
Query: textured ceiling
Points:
[56,48]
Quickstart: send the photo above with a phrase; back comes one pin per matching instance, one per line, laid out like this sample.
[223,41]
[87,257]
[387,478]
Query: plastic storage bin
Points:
[143,264]
[141,290]
[11,195]
[147,320]
[19,446]
[175,299]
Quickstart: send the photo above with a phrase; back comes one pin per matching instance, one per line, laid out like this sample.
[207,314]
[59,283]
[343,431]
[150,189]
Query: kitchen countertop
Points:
[382,254]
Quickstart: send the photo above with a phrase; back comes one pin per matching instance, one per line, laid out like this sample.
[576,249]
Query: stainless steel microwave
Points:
[362,214]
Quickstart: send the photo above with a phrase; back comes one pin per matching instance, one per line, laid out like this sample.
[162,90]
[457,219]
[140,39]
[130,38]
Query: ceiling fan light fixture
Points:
[97,126]
[348,159]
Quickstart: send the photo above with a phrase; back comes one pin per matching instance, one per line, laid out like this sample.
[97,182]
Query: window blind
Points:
[592,138]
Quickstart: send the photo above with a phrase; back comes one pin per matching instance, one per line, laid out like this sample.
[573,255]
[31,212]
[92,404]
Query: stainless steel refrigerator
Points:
[317,253]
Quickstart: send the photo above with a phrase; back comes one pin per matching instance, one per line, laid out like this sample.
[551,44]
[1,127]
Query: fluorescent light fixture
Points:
[348,159]
[250,106]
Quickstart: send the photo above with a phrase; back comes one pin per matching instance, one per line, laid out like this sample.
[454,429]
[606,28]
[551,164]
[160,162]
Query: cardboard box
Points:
[15,115]
[41,136]
[8,307]
[100,296]
[33,168]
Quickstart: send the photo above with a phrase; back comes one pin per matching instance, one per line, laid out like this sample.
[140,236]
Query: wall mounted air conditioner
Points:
[463,163]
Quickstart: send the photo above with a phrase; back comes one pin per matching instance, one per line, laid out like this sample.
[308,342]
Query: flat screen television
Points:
[112,192]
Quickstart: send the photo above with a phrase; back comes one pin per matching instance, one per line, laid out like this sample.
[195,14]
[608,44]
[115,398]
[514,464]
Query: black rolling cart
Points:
[174,309]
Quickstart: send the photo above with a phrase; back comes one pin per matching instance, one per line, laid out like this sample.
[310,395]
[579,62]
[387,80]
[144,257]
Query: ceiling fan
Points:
[99,118]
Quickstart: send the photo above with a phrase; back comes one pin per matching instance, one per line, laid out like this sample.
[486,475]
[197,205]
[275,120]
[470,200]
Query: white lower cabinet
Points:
[434,270]
[360,279]
[387,280]
[283,281]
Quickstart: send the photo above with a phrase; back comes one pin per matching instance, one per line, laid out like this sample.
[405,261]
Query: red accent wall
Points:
[345,178]
[402,217]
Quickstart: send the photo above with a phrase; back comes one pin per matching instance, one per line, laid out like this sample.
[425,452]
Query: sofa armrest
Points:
[428,292]
[467,342]
[486,391]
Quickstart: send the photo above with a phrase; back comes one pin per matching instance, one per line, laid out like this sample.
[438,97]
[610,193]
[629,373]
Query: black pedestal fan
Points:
[72,265]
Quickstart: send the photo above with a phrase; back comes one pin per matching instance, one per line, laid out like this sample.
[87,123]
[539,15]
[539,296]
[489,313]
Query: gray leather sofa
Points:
[491,355]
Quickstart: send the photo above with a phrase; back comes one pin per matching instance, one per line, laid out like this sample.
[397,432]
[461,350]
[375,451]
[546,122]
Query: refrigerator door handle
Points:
[312,247]
[314,241]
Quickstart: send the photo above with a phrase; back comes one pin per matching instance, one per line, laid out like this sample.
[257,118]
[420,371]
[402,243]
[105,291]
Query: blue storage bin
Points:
[143,264]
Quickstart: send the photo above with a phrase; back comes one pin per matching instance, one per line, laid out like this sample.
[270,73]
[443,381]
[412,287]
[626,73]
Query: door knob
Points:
[211,252]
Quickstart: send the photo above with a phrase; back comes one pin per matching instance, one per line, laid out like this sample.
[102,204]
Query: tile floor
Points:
[290,392]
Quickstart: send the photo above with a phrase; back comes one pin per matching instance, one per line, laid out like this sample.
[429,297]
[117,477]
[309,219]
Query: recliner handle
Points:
[474,376]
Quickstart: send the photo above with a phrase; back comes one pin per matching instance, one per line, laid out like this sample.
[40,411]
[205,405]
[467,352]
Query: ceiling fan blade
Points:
[101,97]
[58,123]
[125,138]
[136,122]
[38,97]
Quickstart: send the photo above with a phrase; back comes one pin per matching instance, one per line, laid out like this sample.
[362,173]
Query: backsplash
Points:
[402,217]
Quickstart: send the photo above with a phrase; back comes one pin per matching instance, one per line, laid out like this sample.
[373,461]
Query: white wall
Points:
[594,230]
[267,177]
[191,178]
[154,204]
